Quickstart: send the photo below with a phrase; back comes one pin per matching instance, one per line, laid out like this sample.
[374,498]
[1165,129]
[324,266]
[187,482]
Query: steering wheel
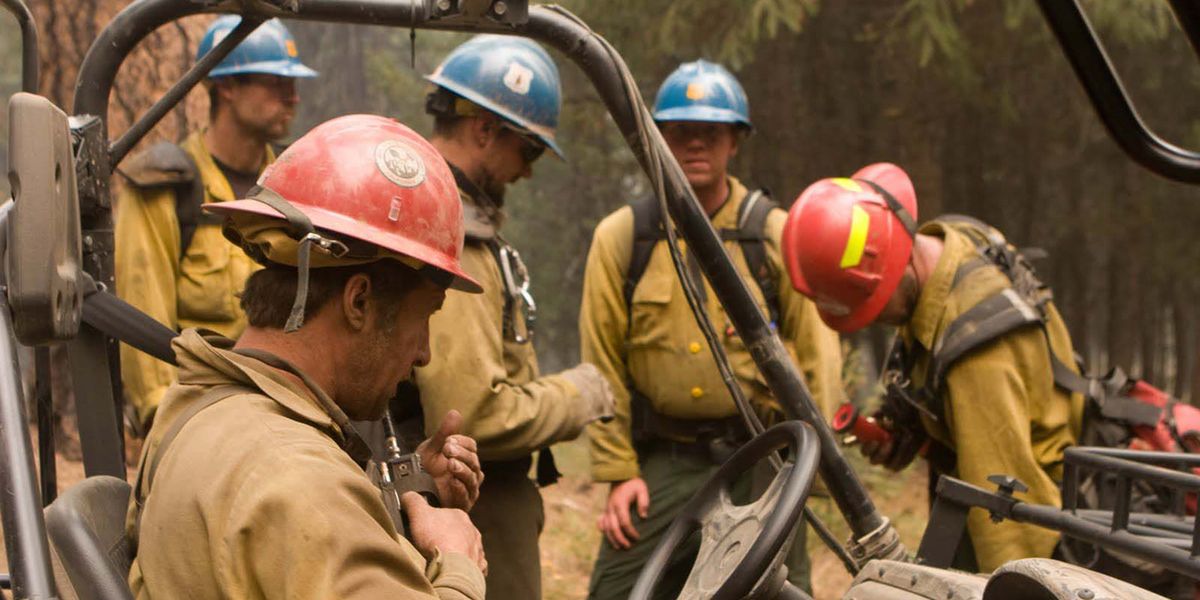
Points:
[738,544]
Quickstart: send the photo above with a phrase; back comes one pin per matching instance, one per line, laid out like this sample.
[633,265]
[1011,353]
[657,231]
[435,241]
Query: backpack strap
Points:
[751,236]
[166,165]
[991,318]
[149,466]
[647,232]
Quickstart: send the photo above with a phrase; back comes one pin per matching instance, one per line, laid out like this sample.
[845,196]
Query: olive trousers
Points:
[673,478]
[510,517]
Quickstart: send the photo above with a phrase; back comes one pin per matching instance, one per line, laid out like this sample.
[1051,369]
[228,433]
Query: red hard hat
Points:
[371,179]
[847,242]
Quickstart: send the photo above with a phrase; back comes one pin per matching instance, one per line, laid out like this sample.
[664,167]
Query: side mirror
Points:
[42,260]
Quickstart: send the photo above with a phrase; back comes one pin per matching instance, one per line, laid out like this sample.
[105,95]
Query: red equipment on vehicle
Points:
[847,242]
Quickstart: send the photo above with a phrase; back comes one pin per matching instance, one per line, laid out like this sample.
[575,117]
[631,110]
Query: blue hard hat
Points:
[510,76]
[270,50]
[702,91]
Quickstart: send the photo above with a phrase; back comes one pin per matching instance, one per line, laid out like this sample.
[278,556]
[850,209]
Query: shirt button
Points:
[697,392]
[694,347]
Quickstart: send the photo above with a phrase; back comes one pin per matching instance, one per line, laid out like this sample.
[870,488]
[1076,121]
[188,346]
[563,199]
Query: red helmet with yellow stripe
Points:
[847,242]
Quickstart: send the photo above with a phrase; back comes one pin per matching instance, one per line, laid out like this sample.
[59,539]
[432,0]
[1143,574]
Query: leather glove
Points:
[905,444]
[594,390]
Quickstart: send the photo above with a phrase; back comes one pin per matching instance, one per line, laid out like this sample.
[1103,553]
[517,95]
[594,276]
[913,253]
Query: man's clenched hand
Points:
[452,460]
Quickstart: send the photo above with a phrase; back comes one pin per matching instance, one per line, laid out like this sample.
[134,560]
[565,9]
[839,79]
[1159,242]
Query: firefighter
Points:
[853,246]
[675,420]
[251,481]
[171,261]
[495,104]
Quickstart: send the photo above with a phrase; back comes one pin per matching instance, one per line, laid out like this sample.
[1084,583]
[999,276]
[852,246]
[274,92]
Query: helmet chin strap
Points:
[299,223]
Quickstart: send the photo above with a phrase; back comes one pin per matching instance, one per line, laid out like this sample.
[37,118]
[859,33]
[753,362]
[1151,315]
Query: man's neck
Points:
[458,156]
[713,197]
[927,251]
[234,146]
[298,348]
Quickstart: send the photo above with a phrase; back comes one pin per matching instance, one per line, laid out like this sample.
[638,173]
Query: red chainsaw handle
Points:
[848,421]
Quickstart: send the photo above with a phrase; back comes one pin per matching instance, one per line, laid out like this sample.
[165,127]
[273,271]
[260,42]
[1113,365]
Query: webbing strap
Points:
[991,318]
[905,217]
[149,466]
[750,234]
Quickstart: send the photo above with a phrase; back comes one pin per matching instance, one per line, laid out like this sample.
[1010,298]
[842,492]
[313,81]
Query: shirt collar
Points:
[925,324]
[271,376]
[726,216]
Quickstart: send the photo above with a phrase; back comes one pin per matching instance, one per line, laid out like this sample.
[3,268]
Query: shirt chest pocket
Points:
[206,289]
[650,311]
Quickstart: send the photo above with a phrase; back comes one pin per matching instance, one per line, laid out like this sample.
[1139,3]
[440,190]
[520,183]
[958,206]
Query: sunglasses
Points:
[531,147]
[682,132]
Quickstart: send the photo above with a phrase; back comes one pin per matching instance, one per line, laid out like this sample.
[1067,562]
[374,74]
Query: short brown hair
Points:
[269,293]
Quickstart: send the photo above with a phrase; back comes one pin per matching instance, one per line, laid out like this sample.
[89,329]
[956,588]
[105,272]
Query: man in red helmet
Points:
[251,483]
[853,246]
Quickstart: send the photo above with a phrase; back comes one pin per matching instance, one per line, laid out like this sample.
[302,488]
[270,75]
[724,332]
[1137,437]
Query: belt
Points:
[500,468]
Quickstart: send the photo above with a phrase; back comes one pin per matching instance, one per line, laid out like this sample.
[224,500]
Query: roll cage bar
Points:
[93,354]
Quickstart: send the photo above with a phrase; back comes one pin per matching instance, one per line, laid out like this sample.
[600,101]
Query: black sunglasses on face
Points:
[531,147]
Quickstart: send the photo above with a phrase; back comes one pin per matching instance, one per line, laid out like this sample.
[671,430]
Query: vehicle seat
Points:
[86,527]
[892,580]
[1046,579]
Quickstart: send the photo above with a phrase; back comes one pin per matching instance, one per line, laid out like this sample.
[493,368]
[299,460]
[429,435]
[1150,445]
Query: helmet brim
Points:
[703,114]
[331,221]
[282,68]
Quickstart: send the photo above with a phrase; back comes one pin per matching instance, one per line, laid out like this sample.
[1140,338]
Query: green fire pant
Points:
[673,478]
[509,516]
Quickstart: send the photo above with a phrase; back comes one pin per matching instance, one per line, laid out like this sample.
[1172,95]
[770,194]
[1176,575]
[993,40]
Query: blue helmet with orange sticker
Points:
[702,91]
[269,50]
[510,76]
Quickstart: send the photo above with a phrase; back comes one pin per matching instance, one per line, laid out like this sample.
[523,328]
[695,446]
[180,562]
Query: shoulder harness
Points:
[166,165]
[750,234]
[1021,305]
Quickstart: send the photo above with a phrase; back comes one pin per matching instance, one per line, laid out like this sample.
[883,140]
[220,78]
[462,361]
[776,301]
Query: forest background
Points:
[973,98]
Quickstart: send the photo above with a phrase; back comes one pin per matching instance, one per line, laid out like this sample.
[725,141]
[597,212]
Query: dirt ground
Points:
[570,541]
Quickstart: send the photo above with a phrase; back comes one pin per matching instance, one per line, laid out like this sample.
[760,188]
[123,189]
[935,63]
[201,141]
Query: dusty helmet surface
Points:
[365,179]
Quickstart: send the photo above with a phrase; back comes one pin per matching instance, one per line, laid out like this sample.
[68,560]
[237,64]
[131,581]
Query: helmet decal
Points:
[400,164]
[518,78]
[856,242]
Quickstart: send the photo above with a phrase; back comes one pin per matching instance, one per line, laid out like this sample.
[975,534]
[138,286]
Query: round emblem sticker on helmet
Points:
[400,163]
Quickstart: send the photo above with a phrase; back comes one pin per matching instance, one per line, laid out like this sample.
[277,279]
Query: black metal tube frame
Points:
[574,40]
[24,526]
[1103,86]
[1160,548]
[1128,466]
[29,44]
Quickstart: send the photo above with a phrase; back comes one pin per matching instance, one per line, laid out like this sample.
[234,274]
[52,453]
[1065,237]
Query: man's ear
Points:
[356,300]
[483,130]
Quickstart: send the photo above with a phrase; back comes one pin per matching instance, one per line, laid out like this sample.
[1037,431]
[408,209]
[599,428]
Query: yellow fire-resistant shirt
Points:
[198,291]
[257,497]
[492,380]
[1003,413]
[657,345]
